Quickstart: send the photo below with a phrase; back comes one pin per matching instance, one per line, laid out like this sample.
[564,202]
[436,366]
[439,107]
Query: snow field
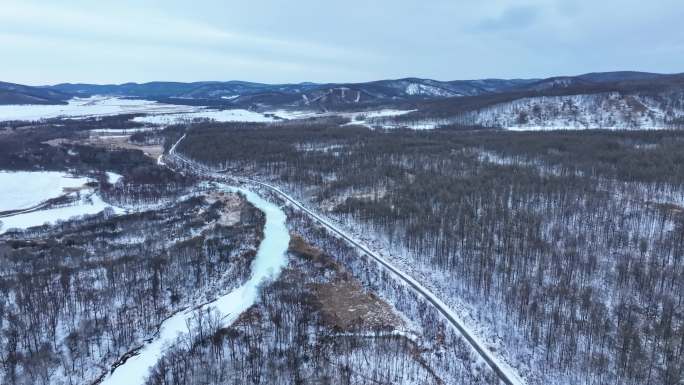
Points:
[88,107]
[25,189]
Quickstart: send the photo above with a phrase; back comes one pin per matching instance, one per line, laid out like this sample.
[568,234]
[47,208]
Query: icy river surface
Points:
[270,260]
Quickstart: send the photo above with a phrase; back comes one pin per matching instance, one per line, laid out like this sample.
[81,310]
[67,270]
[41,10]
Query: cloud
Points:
[355,40]
[518,17]
[118,35]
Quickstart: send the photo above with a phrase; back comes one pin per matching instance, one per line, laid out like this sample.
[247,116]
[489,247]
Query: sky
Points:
[291,41]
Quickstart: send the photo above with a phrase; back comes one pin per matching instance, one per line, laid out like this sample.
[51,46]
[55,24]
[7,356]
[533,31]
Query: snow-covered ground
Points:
[113,177]
[270,260]
[156,113]
[216,115]
[238,115]
[573,112]
[89,107]
[88,204]
[364,118]
[122,131]
[610,110]
[427,90]
[24,189]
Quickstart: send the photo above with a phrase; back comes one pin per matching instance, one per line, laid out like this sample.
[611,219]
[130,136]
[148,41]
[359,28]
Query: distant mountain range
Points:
[340,95]
[323,96]
[616,99]
[19,94]
[328,95]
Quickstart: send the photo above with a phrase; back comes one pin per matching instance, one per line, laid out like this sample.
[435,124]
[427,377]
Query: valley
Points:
[436,239]
[273,192]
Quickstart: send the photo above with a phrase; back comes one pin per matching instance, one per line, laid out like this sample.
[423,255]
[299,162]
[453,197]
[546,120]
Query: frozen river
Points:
[269,261]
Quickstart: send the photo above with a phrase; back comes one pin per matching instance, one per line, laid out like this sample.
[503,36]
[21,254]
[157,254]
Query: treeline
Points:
[569,243]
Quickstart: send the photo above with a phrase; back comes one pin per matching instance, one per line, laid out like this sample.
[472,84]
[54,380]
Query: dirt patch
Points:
[121,142]
[115,142]
[300,246]
[232,207]
[346,306]
[330,204]
[251,316]
[314,256]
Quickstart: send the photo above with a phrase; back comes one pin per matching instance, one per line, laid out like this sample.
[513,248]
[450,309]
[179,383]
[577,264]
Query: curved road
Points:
[505,375]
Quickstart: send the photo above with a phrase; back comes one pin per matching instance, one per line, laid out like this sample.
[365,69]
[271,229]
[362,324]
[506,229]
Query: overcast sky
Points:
[45,42]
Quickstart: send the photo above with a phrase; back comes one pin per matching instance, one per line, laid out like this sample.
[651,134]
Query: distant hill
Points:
[19,94]
[303,95]
[613,99]
[620,100]
[340,96]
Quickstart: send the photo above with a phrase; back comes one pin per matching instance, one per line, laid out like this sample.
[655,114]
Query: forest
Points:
[566,246]
[77,296]
[325,320]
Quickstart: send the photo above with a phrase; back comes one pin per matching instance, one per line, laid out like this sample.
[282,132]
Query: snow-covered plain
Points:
[216,115]
[24,189]
[364,118]
[270,260]
[88,205]
[89,107]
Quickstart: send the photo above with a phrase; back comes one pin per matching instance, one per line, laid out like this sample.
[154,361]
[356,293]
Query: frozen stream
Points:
[269,261]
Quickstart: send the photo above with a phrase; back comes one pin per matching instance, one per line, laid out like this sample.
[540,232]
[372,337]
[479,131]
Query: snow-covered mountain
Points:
[606,110]
[595,100]
[613,101]
[309,95]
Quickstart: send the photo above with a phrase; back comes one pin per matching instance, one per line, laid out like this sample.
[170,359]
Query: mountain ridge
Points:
[341,96]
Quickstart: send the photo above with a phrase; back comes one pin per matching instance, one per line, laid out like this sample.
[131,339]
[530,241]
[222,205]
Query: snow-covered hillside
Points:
[427,90]
[609,110]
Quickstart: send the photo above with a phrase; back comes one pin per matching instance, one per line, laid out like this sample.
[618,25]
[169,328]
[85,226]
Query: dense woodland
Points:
[565,246]
[568,245]
[321,322]
[78,295]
